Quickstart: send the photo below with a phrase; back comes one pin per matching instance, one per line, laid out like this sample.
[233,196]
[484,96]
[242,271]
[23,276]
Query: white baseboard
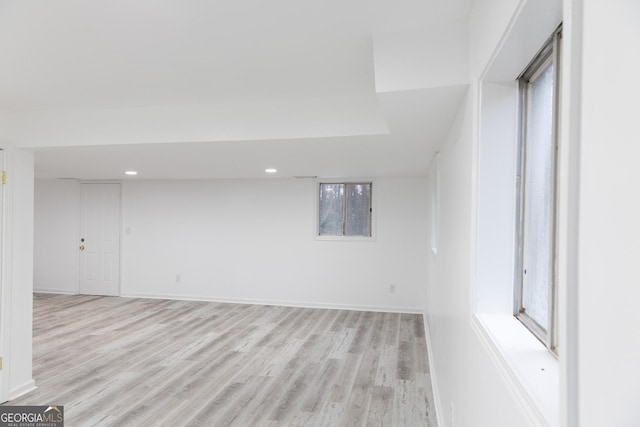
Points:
[434,378]
[404,310]
[55,291]
[25,388]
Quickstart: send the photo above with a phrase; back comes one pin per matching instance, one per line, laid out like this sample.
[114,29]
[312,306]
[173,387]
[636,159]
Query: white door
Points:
[99,239]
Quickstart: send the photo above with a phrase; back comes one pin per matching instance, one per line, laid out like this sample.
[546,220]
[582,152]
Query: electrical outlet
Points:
[392,289]
[178,278]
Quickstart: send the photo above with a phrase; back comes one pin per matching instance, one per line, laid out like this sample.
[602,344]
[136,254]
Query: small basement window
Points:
[345,209]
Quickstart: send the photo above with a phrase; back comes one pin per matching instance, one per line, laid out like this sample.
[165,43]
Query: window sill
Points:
[345,238]
[530,369]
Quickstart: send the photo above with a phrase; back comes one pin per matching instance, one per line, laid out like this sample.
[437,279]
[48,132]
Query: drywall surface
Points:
[233,121]
[56,230]
[433,57]
[598,354]
[246,241]
[463,372]
[609,229]
[472,385]
[487,24]
[19,268]
[254,241]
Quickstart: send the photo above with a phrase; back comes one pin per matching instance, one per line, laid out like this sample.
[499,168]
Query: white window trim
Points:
[517,354]
[530,369]
[374,198]
[550,53]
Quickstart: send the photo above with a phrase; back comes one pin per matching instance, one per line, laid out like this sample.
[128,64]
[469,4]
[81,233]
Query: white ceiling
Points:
[298,60]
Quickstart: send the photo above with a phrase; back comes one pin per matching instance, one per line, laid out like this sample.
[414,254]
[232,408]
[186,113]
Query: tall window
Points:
[345,209]
[536,272]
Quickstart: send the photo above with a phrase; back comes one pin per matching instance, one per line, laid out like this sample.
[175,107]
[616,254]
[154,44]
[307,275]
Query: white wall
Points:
[269,120]
[598,224]
[18,269]
[431,57]
[56,229]
[251,241]
[468,374]
[609,211]
[270,223]
[464,375]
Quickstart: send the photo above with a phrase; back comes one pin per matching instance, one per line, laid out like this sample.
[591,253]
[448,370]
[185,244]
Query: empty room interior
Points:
[355,212]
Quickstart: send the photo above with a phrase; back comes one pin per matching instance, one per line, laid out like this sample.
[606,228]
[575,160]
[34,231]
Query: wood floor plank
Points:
[319,394]
[411,406]
[357,407]
[381,407]
[387,365]
[130,362]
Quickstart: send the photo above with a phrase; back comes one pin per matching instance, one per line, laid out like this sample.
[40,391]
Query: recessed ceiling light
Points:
[271,170]
[131,173]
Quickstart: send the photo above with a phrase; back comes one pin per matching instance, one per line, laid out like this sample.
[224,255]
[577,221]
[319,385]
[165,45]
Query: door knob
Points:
[82,248]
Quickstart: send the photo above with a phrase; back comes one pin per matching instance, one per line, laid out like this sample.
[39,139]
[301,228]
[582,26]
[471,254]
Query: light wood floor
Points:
[142,362]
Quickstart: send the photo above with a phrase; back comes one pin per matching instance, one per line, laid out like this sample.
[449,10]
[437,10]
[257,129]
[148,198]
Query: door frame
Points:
[120,220]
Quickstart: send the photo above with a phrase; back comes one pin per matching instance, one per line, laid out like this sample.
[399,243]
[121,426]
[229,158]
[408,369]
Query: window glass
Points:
[535,284]
[358,221]
[537,261]
[345,209]
[331,209]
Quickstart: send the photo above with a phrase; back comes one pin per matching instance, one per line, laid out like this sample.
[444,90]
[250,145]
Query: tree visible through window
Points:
[345,209]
